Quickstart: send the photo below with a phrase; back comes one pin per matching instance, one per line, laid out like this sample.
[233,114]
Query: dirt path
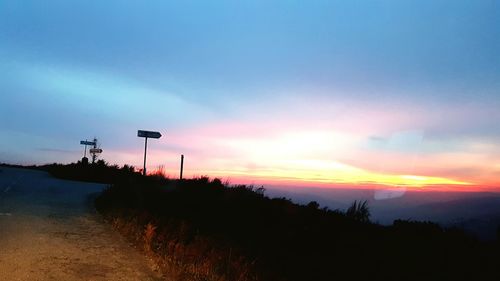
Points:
[47,232]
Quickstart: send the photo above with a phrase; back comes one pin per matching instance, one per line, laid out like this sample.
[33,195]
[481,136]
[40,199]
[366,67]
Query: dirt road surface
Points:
[49,231]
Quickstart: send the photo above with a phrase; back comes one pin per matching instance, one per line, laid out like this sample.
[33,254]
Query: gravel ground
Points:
[49,231]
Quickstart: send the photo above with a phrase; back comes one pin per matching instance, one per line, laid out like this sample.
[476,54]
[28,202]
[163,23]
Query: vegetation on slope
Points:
[202,229]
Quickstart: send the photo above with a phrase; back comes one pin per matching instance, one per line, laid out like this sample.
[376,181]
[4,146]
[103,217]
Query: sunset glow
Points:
[335,176]
[324,158]
[290,98]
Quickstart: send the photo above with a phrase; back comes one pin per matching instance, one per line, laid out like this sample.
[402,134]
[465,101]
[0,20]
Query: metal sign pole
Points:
[146,135]
[94,155]
[145,150]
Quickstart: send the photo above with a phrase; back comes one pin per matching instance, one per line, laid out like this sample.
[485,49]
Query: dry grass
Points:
[194,261]
[159,172]
[149,234]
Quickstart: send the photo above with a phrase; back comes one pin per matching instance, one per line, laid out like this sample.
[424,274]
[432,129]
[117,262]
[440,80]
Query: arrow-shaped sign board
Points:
[87,142]
[95,150]
[148,134]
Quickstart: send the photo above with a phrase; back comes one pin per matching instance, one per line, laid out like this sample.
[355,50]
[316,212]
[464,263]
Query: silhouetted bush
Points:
[99,172]
[359,211]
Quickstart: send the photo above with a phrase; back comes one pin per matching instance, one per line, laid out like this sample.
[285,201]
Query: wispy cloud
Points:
[56,150]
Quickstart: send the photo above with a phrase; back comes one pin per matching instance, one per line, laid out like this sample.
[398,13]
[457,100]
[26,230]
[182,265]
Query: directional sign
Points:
[95,150]
[87,142]
[148,134]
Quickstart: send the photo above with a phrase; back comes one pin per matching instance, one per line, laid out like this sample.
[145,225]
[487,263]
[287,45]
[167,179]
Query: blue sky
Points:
[375,72]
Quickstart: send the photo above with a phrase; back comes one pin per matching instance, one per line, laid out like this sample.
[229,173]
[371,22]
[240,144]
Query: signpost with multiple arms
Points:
[94,150]
[85,142]
[146,135]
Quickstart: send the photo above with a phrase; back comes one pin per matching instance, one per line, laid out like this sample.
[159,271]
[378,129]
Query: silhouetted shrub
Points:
[359,211]
[313,205]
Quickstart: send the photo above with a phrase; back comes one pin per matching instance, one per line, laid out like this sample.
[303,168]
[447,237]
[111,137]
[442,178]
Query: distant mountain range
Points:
[476,212]
[479,216]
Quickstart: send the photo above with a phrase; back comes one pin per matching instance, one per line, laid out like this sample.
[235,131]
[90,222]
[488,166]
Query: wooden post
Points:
[182,165]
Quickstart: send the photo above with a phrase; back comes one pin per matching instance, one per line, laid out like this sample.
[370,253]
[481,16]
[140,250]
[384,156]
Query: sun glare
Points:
[308,157]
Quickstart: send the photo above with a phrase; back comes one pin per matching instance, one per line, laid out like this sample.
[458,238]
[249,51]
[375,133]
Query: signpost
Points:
[85,142]
[95,150]
[146,135]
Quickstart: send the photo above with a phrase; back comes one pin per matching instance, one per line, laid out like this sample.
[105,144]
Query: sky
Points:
[308,93]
